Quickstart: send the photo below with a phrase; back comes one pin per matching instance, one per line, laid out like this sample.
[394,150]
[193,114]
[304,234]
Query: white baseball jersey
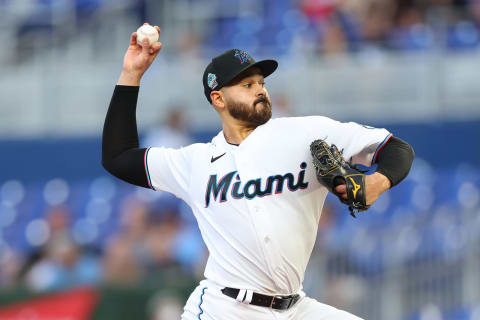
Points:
[258,204]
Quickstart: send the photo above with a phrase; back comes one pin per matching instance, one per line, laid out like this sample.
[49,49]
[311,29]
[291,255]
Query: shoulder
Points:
[300,122]
[197,147]
[187,151]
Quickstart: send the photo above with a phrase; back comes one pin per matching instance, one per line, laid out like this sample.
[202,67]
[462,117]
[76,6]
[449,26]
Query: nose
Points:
[261,91]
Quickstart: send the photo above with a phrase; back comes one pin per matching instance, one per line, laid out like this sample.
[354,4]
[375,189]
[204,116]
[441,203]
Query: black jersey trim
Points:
[147,172]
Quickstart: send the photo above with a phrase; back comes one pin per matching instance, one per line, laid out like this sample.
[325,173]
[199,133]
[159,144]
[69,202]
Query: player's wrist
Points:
[382,181]
[376,184]
[130,78]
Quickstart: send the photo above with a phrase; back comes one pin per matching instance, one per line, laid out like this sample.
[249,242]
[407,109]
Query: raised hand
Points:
[138,59]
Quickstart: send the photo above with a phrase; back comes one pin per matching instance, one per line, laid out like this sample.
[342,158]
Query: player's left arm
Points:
[393,161]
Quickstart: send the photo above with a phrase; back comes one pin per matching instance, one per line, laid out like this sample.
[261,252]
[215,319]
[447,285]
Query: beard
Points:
[253,115]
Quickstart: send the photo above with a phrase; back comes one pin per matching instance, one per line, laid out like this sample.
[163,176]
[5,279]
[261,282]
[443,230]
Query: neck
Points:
[237,131]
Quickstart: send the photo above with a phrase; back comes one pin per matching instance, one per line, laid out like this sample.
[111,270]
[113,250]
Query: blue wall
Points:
[441,144]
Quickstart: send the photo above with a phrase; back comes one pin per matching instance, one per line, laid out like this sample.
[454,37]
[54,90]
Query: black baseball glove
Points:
[332,170]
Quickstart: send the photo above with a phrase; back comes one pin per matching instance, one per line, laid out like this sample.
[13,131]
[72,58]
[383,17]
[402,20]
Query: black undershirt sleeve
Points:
[395,159]
[120,153]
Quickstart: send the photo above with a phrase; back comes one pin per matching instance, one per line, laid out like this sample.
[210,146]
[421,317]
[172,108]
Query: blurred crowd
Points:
[403,25]
[320,27]
[150,245]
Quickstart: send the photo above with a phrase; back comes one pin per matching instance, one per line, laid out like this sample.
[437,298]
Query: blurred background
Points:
[77,243]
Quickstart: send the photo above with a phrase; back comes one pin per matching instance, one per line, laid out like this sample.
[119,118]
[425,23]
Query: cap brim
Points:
[267,67]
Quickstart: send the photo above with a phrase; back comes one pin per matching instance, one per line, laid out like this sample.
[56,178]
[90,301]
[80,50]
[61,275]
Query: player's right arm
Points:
[120,153]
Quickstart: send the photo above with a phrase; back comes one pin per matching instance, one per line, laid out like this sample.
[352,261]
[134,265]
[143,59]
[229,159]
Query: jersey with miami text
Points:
[258,204]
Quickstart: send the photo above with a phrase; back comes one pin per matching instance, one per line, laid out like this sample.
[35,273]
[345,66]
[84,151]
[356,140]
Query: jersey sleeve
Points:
[360,143]
[169,169]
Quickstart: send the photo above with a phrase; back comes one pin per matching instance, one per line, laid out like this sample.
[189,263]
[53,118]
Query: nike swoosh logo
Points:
[216,158]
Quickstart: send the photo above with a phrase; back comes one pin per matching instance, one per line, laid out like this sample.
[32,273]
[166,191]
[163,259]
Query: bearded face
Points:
[254,115]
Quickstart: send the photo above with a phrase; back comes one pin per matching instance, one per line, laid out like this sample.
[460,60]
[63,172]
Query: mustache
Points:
[261,99]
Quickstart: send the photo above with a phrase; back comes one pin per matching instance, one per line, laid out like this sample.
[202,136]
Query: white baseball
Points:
[147,31]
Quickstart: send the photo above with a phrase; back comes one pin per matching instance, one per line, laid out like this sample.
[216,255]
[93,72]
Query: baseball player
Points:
[253,189]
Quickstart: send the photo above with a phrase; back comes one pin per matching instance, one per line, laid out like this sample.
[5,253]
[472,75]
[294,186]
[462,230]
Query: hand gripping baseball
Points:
[138,59]
[332,170]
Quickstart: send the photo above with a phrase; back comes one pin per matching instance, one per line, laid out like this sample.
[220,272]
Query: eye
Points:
[247,85]
[262,84]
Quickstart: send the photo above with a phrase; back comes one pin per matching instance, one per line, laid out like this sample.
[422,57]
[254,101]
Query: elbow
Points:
[108,160]
[111,166]
[411,152]
[395,160]
[409,155]
[107,164]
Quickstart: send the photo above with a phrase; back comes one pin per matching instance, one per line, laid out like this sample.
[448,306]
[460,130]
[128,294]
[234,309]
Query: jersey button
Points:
[266,239]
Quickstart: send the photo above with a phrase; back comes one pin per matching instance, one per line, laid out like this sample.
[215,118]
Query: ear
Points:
[218,101]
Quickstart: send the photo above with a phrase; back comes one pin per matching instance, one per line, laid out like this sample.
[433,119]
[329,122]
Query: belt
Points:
[258,299]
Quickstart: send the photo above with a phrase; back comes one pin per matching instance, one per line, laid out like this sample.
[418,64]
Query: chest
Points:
[254,171]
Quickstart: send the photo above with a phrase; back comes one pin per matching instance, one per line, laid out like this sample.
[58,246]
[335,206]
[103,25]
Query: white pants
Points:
[207,302]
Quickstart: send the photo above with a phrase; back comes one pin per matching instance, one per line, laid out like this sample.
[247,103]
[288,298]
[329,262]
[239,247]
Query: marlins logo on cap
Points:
[242,56]
[212,80]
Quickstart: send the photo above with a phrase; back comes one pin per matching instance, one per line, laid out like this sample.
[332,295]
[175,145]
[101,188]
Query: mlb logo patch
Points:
[242,56]
[212,81]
